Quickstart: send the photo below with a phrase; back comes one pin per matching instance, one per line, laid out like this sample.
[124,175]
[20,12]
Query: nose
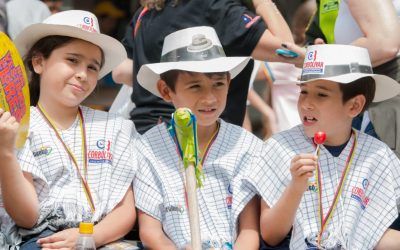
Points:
[81,74]
[209,97]
[306,102]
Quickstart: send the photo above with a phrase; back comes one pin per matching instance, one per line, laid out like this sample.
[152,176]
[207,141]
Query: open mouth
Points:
[309,119]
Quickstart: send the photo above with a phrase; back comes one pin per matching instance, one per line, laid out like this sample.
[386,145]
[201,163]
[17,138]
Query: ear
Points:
[37,63]
[355,105]
[164,90]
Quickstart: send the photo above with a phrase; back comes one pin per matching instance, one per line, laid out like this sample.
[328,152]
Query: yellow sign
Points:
[14,89]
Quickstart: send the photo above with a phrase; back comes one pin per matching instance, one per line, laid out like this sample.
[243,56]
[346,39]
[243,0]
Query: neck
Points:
[204,135]
[339,139]
[60,115]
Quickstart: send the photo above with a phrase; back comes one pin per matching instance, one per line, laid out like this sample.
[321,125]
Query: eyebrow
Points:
[81,56]
[218,77]
[323,87]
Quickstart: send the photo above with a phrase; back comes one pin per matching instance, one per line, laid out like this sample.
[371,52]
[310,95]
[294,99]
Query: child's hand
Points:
[301,168]
[8,131]
[65,239]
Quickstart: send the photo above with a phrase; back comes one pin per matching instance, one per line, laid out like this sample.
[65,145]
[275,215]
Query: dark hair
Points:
[364,86]
[44,47]
[171,76]
[156,4]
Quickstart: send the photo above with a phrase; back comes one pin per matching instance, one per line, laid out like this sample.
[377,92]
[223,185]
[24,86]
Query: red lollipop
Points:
[319,138]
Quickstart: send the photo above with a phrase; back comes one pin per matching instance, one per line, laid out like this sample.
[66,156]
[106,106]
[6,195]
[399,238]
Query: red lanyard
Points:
[71,155]
[139,20]
[324,219]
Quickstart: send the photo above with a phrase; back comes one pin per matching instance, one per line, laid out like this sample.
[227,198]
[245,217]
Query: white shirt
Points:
[110,172]
[370,197]
[159,184]
[22,13]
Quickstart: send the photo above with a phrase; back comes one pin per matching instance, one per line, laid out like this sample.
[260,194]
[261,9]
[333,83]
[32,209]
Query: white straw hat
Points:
[78,24]
[345,64]
[196,49]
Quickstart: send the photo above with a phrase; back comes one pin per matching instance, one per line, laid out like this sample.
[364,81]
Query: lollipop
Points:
[319,138]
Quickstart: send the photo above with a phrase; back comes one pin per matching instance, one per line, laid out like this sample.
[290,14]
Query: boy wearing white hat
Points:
[77,164]
[345,193]
[194,73]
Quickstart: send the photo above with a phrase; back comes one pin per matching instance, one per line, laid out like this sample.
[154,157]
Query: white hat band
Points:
[184,54]
[335,70]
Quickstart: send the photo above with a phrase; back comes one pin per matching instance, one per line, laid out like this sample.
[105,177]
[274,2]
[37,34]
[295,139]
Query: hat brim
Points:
[385,87]
[149,74]
[114,52]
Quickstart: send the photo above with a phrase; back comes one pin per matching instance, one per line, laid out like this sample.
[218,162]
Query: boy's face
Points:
[204,95]
[321,108]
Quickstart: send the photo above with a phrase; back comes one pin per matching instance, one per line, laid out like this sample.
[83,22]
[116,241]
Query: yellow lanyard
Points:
[208,146]
[325,219]
[71,155]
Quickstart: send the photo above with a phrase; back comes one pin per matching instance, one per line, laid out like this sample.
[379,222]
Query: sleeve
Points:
[238,29]
[128,39]
[29,165]
[269,174]
[44,12]
[379,202]
[125,162]
[395,172]
[146,186]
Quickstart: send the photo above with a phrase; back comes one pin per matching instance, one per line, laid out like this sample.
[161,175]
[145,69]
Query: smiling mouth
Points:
[77,87]
[208,110]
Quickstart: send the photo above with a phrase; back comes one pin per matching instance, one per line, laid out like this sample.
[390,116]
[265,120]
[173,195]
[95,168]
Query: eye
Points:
[219,84]
[94,68]
[194,86]
[322,95]
[72,59]
[303,92]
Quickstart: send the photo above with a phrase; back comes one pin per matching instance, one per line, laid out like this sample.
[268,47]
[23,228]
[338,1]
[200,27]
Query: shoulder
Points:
[372,147]
[94,115]
[154,139]
[107,121]
[231,133]
[291,138]
[158,131]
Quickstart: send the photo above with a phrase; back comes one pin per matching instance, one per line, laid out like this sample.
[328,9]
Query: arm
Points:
[278,32]
[389,241]
[277,221]
[17,189]
[117,223]
[379,23]
[123,73]
[152,234]
[301,20]
[113,227]
[249,229]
